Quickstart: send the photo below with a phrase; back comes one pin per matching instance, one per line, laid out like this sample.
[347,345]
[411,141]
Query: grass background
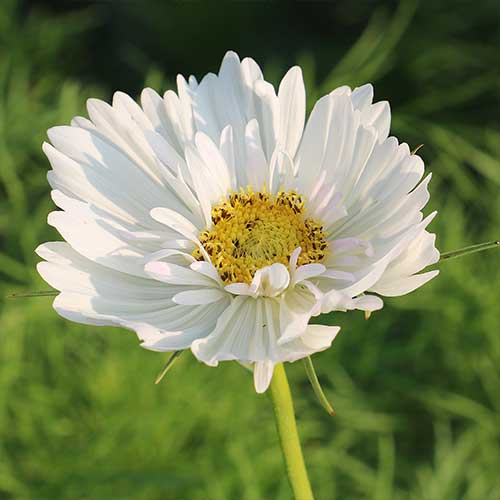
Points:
[416,388]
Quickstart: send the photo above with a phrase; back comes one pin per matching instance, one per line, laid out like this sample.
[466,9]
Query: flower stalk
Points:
[288,434]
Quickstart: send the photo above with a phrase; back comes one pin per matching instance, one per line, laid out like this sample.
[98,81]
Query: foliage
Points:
[416,387]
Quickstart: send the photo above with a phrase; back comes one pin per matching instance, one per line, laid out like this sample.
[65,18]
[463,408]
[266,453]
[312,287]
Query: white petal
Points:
[93,294]
[377,115]
[126,105]
[307,271]
[226,147]
[180,224]
[338,275]
[292,103]
[311,151]
[198,297]
[267,109]
[316,338]
[208,189]
[400,277]
[207,269]
[319,337]
[175,221]
[176,275]
[368,303]
[165,117]
[362,97]
[297,306]
[294,258]
[405,285]
[262,375]
[94,186]
[194,322]
[99,243]
[214,160]
[101,166]
[256,162]
[240,289]
[272,280]
[166,153]
[231,337]
[66,270]
[172,255]
[335,300]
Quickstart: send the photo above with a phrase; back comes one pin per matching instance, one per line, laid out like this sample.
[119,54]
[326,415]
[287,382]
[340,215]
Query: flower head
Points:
[213,219]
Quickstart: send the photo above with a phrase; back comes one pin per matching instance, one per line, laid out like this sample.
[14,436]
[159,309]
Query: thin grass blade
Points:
[313,378]
[24,295]
[171,360]
[468,250]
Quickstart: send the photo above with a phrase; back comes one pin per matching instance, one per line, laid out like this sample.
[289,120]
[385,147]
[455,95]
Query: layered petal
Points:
[140,187]
[249,331]
[365,188]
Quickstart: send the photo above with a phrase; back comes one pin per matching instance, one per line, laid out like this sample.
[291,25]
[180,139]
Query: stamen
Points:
[253,230]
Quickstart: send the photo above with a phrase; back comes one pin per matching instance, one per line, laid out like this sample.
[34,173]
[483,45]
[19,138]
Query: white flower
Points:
[211,219]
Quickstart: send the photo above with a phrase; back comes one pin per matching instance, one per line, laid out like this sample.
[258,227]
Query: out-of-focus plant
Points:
[417,412]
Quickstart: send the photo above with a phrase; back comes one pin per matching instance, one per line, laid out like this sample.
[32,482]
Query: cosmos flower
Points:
[215,219]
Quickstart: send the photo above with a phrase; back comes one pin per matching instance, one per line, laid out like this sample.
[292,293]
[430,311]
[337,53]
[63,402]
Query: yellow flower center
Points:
[253,230]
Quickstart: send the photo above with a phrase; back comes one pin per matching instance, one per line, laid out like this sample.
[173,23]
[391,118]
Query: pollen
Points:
[251,230]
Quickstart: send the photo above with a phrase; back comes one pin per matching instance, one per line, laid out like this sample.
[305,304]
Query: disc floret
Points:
[251,230]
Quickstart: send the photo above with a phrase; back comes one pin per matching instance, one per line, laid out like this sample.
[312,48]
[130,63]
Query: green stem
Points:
[289,437]
[467,250]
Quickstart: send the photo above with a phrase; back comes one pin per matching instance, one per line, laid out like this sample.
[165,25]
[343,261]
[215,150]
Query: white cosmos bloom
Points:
[215,219]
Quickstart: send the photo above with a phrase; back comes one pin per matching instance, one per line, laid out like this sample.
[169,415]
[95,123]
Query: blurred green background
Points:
[416,388]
